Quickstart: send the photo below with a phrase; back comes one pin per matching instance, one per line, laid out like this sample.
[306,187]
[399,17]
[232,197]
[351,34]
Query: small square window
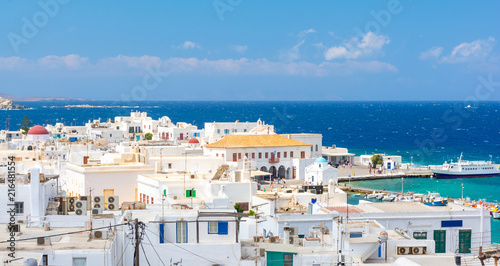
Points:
[213,227]
[19,207]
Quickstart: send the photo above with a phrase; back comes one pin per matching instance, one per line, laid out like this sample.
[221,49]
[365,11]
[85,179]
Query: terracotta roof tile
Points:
[244,141]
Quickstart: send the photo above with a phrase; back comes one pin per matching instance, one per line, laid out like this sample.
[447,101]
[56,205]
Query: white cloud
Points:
[356,48]
[130,61]
[470,52]
[240,48]
[13,63]
[130,65]
[188,45]
[71,61]
[434,52]
[303,33]
[292,54]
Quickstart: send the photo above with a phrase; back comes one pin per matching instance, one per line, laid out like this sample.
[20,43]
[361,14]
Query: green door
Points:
[440,240]
[464,239]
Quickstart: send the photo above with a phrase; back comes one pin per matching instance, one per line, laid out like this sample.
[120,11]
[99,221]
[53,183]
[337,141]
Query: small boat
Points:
[355,195]
[434,199]
[373,195]
[496,215]
[436,203]
[390,197]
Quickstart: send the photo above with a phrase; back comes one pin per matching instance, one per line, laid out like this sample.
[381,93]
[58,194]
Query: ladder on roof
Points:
[222,169]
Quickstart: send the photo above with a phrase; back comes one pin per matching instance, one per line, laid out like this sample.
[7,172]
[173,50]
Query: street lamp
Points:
[462,191]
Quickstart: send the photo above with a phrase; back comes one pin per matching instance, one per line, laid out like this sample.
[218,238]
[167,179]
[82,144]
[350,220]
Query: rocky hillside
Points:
[6,104]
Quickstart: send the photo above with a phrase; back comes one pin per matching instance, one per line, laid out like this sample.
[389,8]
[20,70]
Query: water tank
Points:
[30,262]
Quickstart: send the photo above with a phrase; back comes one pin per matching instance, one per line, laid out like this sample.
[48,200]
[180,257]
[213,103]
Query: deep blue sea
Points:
[430,132]
[421,132]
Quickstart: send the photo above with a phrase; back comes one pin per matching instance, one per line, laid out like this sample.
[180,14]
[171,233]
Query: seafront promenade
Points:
[362,172]
[357,173]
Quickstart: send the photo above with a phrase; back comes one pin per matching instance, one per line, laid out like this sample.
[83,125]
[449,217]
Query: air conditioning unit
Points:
[419,250]
[42,241]
[81,207]
[70,204]
[16,228]
[274,239]
[98,202]
[175,197]
[258,239]
[72,200]
[113,203]
[100,234]
[404,250]
[192,176]
[96,211]
[298,242]
[87,199]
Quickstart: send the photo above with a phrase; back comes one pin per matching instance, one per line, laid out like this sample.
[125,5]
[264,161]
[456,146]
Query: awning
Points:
[258,173]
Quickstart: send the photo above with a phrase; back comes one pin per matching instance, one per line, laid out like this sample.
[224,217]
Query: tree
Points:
[149,136]
[251,213]
[376,159]
[238,208]
[26,124]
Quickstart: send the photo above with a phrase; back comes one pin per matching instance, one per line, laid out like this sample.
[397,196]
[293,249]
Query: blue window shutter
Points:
[223,228]
[162,233]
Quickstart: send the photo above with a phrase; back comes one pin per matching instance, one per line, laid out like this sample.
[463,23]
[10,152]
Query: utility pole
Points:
[137,242]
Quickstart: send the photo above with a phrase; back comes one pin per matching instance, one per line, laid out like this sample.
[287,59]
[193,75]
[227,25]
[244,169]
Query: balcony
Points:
[274,160]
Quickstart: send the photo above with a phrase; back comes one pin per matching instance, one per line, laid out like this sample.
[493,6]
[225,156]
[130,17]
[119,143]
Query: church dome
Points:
[38,130]
[320,160]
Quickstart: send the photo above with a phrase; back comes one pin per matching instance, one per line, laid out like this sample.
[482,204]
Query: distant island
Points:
[7,104]
[39,99]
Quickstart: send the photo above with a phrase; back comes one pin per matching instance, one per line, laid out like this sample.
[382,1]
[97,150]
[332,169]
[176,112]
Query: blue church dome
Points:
[320,160]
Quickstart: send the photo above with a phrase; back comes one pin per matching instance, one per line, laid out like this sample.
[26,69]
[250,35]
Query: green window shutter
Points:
[440,241]
[464,241]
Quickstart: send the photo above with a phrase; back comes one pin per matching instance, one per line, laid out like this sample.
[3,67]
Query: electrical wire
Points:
[123,253]
[154,249]
[183,248]
[145,256]
[63,234]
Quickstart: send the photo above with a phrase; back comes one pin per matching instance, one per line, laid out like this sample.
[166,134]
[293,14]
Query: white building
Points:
[320,173]
[275,154]
[118,179]
[38,133]
[453,227]
[337,156]
[216,130]
[390,161]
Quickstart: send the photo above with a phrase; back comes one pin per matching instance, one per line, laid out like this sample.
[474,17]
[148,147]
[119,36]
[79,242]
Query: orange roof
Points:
[245,141]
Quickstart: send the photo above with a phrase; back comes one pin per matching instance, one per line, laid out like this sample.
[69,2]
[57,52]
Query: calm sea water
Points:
[422,132]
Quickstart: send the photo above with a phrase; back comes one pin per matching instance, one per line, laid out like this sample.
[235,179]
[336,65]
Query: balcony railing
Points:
[274,160]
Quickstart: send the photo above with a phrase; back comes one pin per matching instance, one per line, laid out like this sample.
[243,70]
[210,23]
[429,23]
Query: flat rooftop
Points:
[407,207]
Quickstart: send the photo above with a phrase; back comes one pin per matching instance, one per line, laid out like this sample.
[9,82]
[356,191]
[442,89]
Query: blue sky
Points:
[250,50]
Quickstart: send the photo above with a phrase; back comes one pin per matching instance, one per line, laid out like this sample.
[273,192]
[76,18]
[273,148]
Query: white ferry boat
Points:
[463,169]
